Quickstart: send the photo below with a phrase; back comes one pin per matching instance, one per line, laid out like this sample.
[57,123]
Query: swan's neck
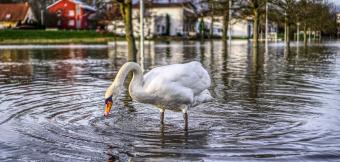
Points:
[136,83]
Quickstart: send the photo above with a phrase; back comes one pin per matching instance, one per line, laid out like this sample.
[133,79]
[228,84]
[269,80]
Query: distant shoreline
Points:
[55,41]
[17,37]
[60,37]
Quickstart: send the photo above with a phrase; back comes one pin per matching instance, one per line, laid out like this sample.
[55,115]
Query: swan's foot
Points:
[185,116]
[162,117]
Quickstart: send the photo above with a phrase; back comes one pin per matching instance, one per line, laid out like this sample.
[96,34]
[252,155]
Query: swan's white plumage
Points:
[173,87]
[177,84]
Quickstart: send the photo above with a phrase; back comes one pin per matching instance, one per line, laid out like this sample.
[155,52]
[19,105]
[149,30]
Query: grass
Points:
[53,37]
[71,37]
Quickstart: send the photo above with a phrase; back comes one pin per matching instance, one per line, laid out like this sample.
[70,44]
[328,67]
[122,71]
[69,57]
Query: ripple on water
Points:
[283,110]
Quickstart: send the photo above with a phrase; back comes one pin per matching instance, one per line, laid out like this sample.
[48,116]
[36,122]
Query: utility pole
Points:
[286,30]
[266,32]
[309,33]
[298,33]
[141,2]
[229,38]
[42,17]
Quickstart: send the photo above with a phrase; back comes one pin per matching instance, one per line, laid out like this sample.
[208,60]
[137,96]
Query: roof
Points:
[80,3]
[13,11]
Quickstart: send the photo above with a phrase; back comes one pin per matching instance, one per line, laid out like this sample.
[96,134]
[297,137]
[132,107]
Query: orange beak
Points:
[108,106]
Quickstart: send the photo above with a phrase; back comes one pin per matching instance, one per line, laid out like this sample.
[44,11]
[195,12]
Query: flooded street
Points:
[283,105]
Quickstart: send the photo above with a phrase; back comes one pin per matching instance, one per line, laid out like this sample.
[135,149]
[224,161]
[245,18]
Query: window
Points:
[8,16]
[78,9]
[158,28]
[59,13]
[71,23]
[71,13]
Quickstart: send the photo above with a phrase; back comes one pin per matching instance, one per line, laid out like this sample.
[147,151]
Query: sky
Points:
[337,2]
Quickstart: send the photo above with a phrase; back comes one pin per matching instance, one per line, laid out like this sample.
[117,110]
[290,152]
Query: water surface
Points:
[279,105]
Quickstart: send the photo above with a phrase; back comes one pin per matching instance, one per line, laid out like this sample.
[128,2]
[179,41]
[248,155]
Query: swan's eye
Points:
[108,100]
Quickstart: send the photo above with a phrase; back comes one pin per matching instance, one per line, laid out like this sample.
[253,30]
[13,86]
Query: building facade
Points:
[71,14]
[239,28]
[162,19]
[16,15]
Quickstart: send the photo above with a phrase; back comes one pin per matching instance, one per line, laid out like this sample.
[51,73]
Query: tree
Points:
[325,13]
[209,8]
[150,16]
[203,11]
[212,17]
[218,8]
[225,13]
[316,16]
[39,10]
[107,12]
[225,8]
[168,25]
[126,12]
[202,28]
[289,11]
[254,9]
[304,7]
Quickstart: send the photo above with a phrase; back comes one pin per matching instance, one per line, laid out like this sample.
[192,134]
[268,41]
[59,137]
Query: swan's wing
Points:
[194,77]
[174,80]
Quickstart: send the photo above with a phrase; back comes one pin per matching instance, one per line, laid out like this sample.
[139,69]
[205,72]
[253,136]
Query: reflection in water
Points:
[13,72]
[279,105]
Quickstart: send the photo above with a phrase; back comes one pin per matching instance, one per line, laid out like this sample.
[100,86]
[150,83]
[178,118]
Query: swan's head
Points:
[110,96]
[108,105]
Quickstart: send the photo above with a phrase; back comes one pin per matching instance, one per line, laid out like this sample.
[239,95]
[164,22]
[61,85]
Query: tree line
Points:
[312,16]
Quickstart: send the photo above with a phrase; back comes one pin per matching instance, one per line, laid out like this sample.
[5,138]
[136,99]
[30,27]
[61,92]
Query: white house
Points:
[239,28]
[242,28]
[172,18]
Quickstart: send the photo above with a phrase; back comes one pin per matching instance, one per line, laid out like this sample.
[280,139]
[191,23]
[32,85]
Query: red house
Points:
[71,14]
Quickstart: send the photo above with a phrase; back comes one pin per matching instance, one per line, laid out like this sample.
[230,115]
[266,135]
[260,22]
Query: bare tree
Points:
[254,9]
[126,12]
[289,11]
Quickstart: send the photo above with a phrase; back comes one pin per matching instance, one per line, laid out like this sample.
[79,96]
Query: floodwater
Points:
[280,105]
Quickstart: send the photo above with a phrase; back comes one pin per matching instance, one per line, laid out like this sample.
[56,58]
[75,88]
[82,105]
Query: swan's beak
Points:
[108,106]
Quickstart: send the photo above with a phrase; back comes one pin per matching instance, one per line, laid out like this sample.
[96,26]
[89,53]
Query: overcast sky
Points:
[337,2]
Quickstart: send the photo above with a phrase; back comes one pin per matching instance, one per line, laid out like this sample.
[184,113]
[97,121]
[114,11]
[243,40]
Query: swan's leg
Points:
[185,116]
[162,115]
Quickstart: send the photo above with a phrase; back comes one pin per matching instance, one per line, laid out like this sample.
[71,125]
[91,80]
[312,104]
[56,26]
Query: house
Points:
[71,14]
[240,28]
[15,15]
[166,18]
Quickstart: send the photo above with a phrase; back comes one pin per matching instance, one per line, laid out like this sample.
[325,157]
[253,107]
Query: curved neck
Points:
[135,84]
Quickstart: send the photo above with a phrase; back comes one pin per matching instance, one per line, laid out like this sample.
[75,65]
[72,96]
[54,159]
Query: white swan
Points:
[174,87]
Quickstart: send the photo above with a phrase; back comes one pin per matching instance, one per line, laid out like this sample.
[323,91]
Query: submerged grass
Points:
[53,37]
[72,37]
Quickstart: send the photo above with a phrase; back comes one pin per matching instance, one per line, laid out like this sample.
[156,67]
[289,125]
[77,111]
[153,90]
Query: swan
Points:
[176,87]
